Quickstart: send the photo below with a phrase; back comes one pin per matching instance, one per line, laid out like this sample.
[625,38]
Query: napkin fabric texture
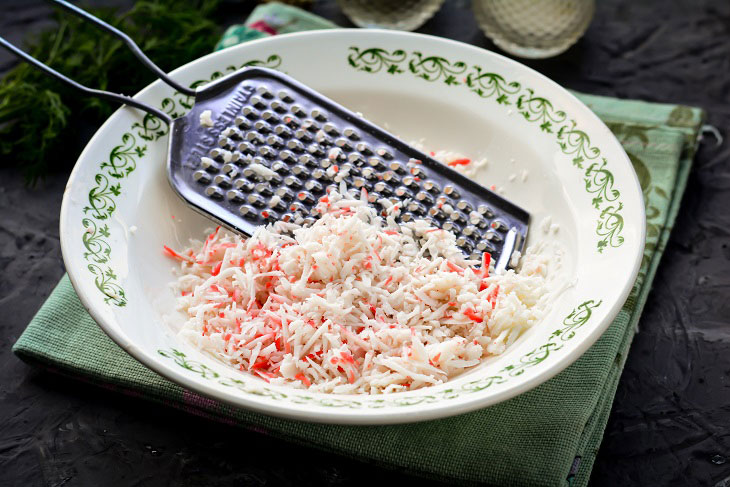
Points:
[271,19]
[547,436]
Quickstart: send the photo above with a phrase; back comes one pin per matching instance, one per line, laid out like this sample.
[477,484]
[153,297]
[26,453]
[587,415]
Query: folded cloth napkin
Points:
[547,436]
[271,19]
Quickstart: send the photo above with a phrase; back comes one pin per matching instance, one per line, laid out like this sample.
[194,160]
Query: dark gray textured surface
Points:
[670,424]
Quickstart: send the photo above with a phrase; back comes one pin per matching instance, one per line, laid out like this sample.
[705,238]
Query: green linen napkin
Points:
[271,19]
[547,436]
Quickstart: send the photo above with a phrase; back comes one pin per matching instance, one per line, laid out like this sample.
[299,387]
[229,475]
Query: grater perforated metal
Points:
[275,147]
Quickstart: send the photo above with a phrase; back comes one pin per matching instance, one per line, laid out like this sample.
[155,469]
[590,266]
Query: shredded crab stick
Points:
[459,162]
[353,303]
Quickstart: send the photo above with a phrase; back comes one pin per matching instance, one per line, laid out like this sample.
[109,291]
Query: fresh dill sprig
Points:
[36,132]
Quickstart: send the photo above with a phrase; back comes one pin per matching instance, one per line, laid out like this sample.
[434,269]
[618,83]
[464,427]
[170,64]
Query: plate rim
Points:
[311,413]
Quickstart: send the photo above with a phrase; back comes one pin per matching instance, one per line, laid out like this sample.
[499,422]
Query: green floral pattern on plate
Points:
[576,319]
[122,161]
[573,142]
[628,133]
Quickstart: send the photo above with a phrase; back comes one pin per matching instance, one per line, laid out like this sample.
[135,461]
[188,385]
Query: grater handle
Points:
[89,91]
[130,44]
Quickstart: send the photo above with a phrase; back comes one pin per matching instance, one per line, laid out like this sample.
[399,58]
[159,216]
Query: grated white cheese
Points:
[262,170]
[354,303]
[471,168]
[206,118]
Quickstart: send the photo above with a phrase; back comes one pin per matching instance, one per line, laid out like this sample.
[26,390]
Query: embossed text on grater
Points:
[276,147]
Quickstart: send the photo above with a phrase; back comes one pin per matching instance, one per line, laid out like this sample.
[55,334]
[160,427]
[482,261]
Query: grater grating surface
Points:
[276,146]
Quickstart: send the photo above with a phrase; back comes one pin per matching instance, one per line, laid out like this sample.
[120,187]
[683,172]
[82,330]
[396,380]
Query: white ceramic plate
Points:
[118,209]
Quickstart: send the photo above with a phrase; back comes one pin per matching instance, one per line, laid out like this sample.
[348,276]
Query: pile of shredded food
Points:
[353,303]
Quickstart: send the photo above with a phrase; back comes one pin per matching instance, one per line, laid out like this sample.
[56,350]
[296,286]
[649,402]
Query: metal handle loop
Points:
[101,93]
[130,44]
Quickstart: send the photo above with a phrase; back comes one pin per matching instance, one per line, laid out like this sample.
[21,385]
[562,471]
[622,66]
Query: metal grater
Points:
[308,144]
[277,146]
